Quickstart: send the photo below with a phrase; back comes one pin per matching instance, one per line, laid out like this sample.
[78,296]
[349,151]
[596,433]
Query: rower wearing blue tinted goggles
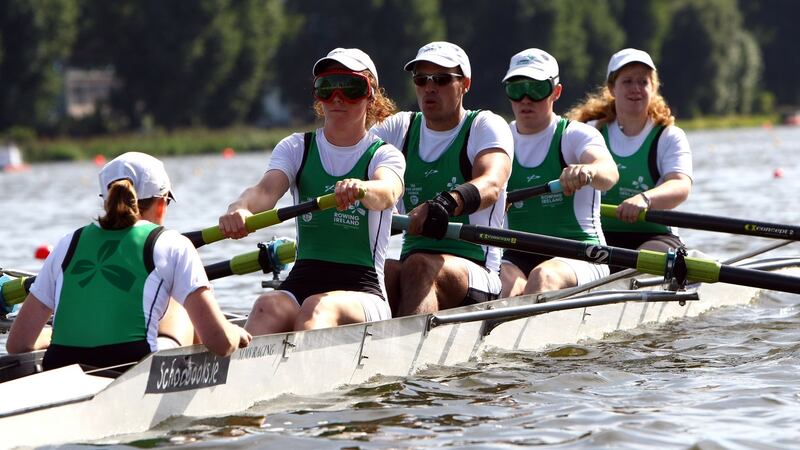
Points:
[517,88]
[548,147]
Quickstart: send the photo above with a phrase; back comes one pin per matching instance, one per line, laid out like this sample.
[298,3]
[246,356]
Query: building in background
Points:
[86,90]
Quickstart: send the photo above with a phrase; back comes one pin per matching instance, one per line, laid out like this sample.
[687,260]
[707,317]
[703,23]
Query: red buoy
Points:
[43,251]
[99,160]
[228,153]
[778,173]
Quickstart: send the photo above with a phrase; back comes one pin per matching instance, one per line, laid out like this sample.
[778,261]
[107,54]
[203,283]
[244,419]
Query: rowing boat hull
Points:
[191,382]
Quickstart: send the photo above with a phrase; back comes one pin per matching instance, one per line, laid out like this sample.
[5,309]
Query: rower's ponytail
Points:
[121,206]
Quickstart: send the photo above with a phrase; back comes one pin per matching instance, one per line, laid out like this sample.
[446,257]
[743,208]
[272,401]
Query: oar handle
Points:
[526,193]
[267,218]
[611,212]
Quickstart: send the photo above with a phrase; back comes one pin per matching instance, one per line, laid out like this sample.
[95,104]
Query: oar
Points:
[525,193]
[712,223]
[266,218]
[273,257]
[645,261]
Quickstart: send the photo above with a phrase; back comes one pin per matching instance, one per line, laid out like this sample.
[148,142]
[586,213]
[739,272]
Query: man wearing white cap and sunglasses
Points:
[458,163]
[111,284]
[548,147]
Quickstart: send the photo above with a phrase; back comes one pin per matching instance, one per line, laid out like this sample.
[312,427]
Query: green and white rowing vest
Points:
[423,180]
[101,299]
[333,235]
[637,173]
[548,214]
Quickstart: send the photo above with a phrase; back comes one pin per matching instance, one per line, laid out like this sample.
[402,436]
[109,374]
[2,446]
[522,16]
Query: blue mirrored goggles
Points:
[536,90]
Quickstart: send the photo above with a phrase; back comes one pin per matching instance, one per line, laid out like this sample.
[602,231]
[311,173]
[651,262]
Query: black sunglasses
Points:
[440,79]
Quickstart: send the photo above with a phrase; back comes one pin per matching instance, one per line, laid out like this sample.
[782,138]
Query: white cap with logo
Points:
[147,174]
[352,58]
[442,54]
[627,56]
[533,63]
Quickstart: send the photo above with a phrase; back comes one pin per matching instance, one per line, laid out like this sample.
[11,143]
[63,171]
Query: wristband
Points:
[471,197]
[647,200]
[447,201]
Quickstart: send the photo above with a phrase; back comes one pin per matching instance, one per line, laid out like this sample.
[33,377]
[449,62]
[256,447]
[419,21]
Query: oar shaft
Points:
[265,219]
[550,246]
[644,261]
[713,223]
[759,279]
[525,193]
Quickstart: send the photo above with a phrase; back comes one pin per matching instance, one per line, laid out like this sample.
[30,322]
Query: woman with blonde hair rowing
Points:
[652,154]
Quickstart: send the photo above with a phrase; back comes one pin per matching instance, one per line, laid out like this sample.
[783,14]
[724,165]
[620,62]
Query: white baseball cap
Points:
[533,63]
[627,56]
[147,174]
[352,58]
[442,54]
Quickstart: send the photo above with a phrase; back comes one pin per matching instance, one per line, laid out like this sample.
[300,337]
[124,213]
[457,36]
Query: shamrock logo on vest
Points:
[640,184]
[118,276]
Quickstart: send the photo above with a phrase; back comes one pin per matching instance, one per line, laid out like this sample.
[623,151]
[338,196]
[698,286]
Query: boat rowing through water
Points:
[191,382]
[79,406]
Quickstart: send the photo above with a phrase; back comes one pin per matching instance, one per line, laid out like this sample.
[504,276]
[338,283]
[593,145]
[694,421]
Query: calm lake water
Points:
[725,380]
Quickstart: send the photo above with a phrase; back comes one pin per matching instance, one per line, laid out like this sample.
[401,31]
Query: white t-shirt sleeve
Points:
[390,157]
[45,285]
[179,265]
[489,131]
[578,138]
[393,129]
[674,152]
[287,156]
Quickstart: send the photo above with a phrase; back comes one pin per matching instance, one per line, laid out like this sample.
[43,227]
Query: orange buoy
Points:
[99,160]
[43,251]
[778,173]
[228,153]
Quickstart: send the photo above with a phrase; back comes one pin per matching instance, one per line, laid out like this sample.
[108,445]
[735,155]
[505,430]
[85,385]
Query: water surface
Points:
[725,380]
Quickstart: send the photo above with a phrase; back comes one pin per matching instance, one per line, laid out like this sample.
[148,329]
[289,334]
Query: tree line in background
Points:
[212,63]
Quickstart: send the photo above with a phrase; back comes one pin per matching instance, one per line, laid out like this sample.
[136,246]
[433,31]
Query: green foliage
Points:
[35,38]
[645,23]
[211,63]
[774,25]
[711,65]
[390,31]
[580,35]
[184,63]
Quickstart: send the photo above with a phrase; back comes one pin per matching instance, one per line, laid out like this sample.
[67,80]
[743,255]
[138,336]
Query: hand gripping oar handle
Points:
[645,261]
[267,218]
[525,193]
[273,257]
[712,223]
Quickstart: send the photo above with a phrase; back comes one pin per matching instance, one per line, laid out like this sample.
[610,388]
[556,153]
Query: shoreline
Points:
[197,141]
